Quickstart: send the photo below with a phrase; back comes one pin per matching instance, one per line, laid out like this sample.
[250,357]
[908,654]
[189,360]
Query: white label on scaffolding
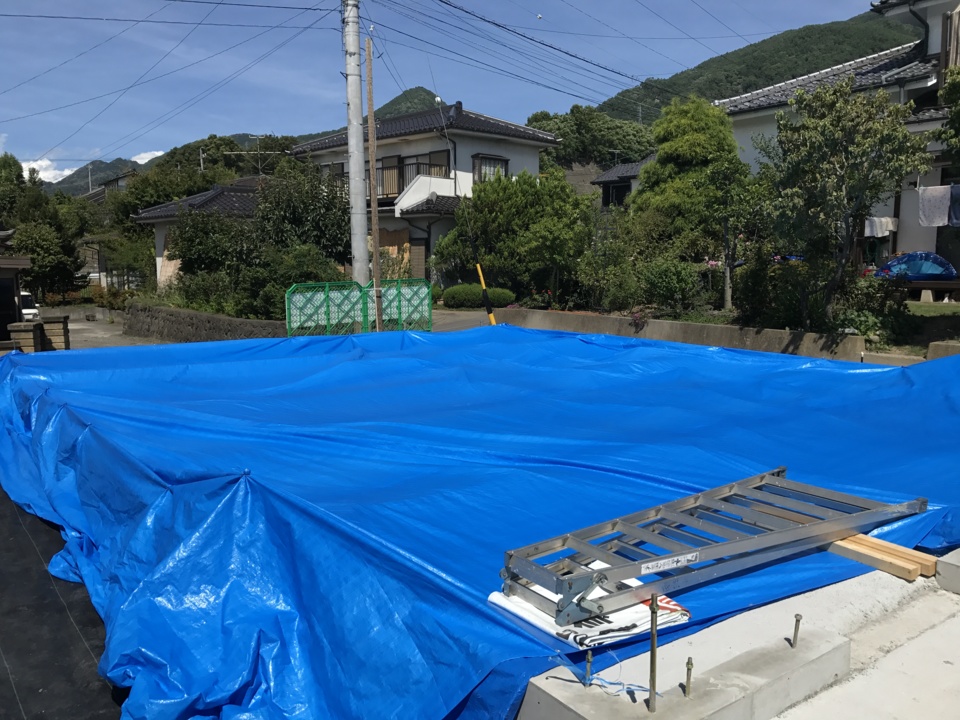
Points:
[669,563]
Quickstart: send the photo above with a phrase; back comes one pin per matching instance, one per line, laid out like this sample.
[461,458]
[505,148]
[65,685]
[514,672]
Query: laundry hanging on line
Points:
[935,204]
[954,220]
[879,227]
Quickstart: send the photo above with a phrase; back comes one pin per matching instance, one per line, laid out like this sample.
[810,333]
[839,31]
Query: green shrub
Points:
[876,308]
[436,293]
[671,285]
[471,296]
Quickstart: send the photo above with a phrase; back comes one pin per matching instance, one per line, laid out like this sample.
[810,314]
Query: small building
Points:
[618,182]
[99,194]
[238,200]
[426,162]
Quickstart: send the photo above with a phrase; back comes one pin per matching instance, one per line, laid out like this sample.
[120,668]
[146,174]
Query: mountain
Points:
[777,59]
[79,182]
[412,100]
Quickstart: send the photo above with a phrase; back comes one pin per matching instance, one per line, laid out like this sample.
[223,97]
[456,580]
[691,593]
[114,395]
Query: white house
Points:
[910,72]
[426,162]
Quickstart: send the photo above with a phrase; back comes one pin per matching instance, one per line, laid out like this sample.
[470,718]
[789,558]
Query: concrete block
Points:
[936,350]
[948,572]
[926,296]
[755,685]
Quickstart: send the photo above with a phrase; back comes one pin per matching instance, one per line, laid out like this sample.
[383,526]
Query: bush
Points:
[471,296]
[670,284]
[436,293]
[876,308]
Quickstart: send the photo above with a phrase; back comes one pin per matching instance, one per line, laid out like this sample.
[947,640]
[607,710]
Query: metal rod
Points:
[796,630]
[589,666]
[686,686]
[652,699]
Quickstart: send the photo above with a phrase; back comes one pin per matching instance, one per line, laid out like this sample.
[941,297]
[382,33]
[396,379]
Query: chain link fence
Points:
[345,308]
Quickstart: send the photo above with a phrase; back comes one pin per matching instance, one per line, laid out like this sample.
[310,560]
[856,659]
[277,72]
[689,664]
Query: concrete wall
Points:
[746,127]
[843,347]
[176,325]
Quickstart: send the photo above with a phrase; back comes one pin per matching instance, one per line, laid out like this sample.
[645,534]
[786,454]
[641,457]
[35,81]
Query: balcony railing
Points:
[392,180]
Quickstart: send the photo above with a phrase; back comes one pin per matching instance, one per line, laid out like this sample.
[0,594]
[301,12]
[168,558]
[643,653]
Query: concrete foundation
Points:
[948,572]
[943,349]
[834,347]
[743,667]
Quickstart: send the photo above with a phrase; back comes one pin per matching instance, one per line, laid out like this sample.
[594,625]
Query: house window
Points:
[487,167]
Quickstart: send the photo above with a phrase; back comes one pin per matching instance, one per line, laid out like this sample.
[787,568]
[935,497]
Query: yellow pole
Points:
[486,297]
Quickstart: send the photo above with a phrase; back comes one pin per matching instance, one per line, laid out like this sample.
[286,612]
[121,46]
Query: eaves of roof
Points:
[443,205]
[622,172]
[445,118]
[888,68]
[231,201]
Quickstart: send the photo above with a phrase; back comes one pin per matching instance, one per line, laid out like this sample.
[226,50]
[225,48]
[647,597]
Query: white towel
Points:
[934,205]
[603,630]
[879,227]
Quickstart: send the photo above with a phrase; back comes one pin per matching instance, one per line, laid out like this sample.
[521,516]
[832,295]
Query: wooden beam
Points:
[898,567]
[927,563]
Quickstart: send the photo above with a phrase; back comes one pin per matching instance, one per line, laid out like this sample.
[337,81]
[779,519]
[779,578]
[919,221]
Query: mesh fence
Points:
[348,307]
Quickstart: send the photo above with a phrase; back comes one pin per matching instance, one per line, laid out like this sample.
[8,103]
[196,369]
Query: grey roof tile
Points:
[230,200]
[889,67]
[624,171]
[447,117]
[443,205]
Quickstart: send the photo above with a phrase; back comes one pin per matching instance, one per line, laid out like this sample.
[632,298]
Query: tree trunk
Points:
[728,260]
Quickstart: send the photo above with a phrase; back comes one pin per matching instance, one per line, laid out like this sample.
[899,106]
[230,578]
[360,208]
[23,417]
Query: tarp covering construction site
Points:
[311,528]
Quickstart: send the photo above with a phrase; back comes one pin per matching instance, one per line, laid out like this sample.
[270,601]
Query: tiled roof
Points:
[232,200]
[447,117]
[624,171]
[443,205]
[900,64]
[933,114]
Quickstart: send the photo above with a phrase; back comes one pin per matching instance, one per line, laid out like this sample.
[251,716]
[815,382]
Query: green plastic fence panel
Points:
[326,309]
[407,304]
[347,307]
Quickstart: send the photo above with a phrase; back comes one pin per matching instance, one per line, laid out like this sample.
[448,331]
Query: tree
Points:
[588,136]
[676,201]
[54,259]
[11,188]
[300,205]
[836,155]
[528,233]
[950,97]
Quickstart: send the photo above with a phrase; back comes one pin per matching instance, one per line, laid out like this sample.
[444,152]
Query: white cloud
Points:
[145,156]
[48,170]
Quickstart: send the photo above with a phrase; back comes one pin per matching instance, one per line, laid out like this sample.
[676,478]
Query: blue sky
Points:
[227,69]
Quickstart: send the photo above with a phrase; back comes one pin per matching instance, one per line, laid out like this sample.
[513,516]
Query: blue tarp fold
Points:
[309,528]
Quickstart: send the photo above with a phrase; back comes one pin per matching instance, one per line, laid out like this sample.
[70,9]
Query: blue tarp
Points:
[918,266]
[309,528]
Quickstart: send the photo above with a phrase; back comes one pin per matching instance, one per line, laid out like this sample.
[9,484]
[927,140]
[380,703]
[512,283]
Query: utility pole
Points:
[259,162]
[358,200]
[89,178]
[201,159]
[374,188]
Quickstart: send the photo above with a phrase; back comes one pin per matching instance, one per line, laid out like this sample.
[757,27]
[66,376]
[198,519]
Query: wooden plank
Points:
[895,566]
[927,563]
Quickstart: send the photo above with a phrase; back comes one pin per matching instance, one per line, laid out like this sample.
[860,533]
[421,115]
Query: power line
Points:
[642,37]
[189,103]
[146,22]
[163,75]
[251,5]
[80,54]
[117,99]
[675,27]
[720,21]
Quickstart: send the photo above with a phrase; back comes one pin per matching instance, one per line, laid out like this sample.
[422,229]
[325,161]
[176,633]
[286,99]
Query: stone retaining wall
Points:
[834,347]
[176,325]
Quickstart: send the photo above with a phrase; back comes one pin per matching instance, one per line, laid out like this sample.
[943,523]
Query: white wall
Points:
[746,127]
[911,237]
[932,12]
[166,268]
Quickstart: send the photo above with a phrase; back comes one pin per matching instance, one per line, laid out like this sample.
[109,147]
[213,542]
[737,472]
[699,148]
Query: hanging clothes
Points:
[955,206]
[879,227]
[934,205]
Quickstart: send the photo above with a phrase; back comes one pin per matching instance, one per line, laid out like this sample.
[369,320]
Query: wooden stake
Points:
[374,205]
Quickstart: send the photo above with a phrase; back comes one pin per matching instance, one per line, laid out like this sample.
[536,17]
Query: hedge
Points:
[471,296]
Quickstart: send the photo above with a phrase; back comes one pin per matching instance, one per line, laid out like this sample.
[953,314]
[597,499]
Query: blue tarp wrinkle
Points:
[309,528]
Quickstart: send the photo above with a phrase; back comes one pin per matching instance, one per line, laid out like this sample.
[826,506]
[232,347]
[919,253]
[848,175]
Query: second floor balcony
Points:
[393,179]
